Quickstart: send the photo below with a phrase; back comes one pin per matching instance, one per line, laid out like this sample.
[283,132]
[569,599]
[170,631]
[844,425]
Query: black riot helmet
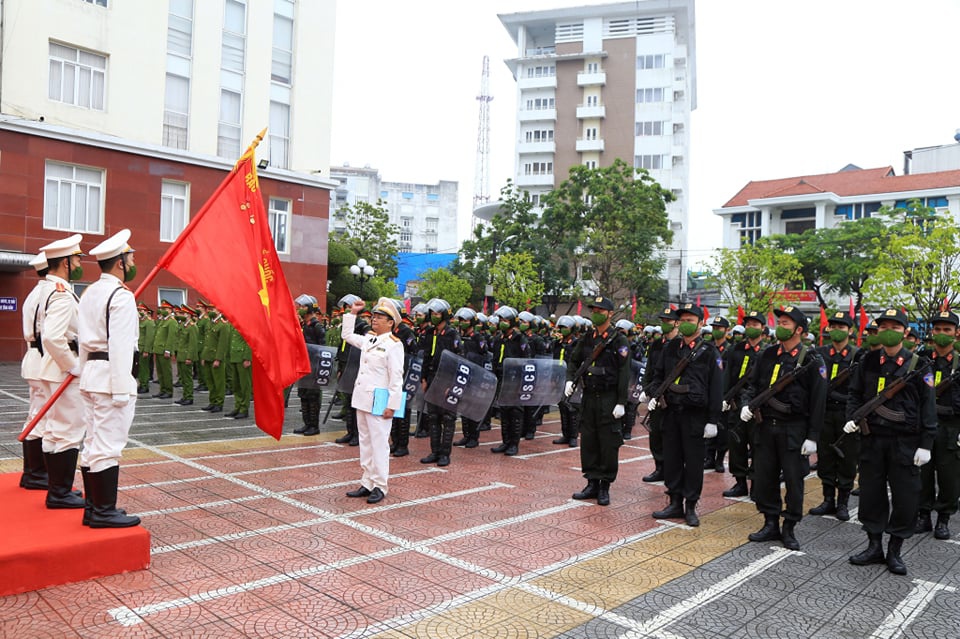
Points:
[507,315]
[438,310]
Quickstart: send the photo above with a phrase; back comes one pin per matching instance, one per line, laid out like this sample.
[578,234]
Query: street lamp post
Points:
[363,272]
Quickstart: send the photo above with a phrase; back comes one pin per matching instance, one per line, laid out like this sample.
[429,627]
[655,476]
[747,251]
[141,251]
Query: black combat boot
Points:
[942,531]
[516,430]
[424,425]
[603,493]
[843,510]
[87,494]
[894,562]
[561,441]
[789,539]
[829,504]
[739,489]
[873,553]
[105,513]
[449,427]
[690,514]
[924,524]
[672,511]
[590,491]
[61,469]
[401,438]
[34,475]
[435,435]
[656,475]
[709,460]
[770,530]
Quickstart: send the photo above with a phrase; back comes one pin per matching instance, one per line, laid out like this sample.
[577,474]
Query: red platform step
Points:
[41,548]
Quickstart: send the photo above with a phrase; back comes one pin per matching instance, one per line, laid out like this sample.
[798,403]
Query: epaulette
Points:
[394,337]
[61,288]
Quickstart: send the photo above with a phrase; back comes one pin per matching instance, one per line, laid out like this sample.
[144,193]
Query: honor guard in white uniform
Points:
[109,330]
[380,373]
[34,475]
[58,337]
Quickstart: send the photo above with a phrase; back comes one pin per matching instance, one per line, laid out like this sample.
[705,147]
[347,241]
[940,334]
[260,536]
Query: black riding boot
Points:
[942,531]
[516,430]
[894,562]
[873,553]
[34,475]
[448,423]
[770,530]
[61,468]
[690,514]
[603,494]
[829,504]
[843,509]
[435,434]
[105,513]
[401,435]
[789,539]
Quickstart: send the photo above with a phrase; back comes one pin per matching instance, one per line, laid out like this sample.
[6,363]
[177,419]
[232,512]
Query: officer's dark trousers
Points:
[941,477]
[601,436]
[655,424]
[629,418]
[889,460]
[777,450]
[569,420]
[835,471]
[683,451]
[740,437]
[511,424]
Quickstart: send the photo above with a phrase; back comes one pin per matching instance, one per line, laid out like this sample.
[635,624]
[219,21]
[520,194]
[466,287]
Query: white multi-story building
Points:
[597,83]
[426,214]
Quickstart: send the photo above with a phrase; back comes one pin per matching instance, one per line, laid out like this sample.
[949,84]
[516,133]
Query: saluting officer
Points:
[789,425]
[902,430]
[940,479]
[743,356]
[668,327]
[692,409]
[605,386]
[34,475]
[108,348]
[837,473]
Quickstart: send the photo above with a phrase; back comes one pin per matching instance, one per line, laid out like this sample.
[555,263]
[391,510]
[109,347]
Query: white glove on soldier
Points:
[120,400]
[921,457]
[746,414]
[709,431]
[725,406]
[643,398]
[652,406]
[618,411]
[809,447]
[75,371]
[851,427]
[568,389]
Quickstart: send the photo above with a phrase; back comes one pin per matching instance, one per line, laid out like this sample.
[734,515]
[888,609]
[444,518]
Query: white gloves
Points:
[618,411]
[746,414]
[120,400]
[709,431]
[568,389]
[643,398]
[725,406]
[851,427]
[652,406]
[921,457]
[809,447]
[75,371]
[958,439]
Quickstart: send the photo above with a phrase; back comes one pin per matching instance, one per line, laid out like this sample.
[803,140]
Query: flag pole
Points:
[146,281]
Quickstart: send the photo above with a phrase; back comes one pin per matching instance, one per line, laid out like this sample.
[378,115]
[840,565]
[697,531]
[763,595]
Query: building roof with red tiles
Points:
[851,181]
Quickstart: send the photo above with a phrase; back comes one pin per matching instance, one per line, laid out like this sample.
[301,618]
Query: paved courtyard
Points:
[256,538]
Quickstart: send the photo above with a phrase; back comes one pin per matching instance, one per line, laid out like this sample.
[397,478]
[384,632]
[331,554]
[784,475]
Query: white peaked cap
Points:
[40,261]
[112,246]
[62,248]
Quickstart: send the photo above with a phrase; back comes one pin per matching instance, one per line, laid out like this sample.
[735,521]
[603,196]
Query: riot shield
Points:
[532,382]
[462,387]
[411,381]
[349,375]
[635,388]
[323,368]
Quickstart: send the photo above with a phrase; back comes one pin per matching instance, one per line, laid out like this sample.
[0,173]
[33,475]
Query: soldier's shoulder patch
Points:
[720,363]
[60,287]
[823,371]
[623,351]
[928,380]
[394,337]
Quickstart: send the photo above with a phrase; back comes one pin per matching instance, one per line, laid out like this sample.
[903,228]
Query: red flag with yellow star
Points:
[227,254]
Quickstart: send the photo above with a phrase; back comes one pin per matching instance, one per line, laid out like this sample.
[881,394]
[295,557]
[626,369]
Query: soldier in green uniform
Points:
[164,346]
[188,350]
[203,326]
[216,350]
[148,330]
[240,360]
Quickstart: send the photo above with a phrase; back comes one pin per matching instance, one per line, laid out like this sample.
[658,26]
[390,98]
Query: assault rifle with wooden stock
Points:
[842,377]
[582,370]
[761,400]
[660,391]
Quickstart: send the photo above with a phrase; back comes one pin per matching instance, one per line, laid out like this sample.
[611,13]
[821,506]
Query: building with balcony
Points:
[596,83]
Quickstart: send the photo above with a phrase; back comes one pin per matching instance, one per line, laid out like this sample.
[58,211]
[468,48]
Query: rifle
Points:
[761,400]
[582,370]
[947,383]
[678,369]
[842,377]
[731,398]
[859,416]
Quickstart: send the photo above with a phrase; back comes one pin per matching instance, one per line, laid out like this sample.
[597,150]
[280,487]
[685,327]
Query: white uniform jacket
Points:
[58,316]
[30,367]
[381,365]
[113,376]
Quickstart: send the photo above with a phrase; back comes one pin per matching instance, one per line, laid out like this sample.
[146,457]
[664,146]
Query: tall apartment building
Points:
[426,214]
[121,114]
[602,82]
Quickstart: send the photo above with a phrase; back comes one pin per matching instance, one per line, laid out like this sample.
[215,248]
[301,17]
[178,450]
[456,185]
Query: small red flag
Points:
[863,325]
[851,308]
[823,322]
[706,312]
[227,254]
[633,307]
[740,315]
[945,306]
[579,306]
[771,320]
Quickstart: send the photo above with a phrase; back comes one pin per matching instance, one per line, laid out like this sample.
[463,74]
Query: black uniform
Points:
[441,423]
[655,419]
[741,358]
[836,473]
[474,348]
[569,412]
[310,398]
[532,414]
[629,419]
[940,479]
[716,447]
[346,354]
[512,344]
[400,427]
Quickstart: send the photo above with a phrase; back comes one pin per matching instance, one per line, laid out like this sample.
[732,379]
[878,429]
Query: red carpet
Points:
[40,547]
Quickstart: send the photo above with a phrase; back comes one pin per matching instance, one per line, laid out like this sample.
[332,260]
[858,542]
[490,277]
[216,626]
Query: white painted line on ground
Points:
[909,609]
[628,460]
[559,449]
[25,400]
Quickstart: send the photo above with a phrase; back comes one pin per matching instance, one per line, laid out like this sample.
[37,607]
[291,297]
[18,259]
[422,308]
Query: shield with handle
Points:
[461,386]
[532,382]
[635,388]
[349,375]
[323,368]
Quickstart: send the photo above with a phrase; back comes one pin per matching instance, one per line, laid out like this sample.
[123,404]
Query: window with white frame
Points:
[593,67]
[590,133]
[540,104]
[431,224]
[99,3]
[174,209]
[649,95]
[73,198]
[176,109]
[280,223]
[228,131]
[180,28]
[650,162]
[538,168]
[650,61]
[281,66]
[176,296]
[547,71]
[593,100]
[539,135]
[233,50]
[77,77]
[646,129]
[406,222]
[406,236]
[279,135]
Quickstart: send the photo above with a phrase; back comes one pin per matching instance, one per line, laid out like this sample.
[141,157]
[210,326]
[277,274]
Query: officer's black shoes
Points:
[500,448]
[708,463]
[789,539]
[104,512]
[311,431]
[690,514]
[530,435]
[354,441]
[461,442]
[924,524]
[208,407]
[34,475]
[572,443]
[739,489]
[603,493]
[216,409]
[242,415]
[359,492]
[376,496]
[511,450]
[432,458]
[627,434]
[401,451]
[894,562]
[827,507]
[656,475]
[843,511]
[143,390]
[590,491]
[443,460]
[343,439]
[300,431]
[672,511]
[472,443]
[561,441]
[230,414]
[770,530]
[942,531]
[719,467]
[184,402]
[873,553]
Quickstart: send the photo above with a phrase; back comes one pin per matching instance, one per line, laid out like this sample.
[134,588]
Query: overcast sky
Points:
[784,88]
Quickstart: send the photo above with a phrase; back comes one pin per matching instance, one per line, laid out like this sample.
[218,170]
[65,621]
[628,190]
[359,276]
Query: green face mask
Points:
[504,325]
[838,335]
[667,327]
[942,339]
[890,337]
[752,332]
[75,273]
[598,318]
[435,319]
[737,337]
[783,333]
[719,334]
[909,345]
[873,340]
[687,328]
[565,332]
[524,326]
[211,314]
[708,337]
[302,312]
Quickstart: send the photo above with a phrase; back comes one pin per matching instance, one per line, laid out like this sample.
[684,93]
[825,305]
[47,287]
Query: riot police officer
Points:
[310,396]
[474,347]
[668,327]
[737,369]
[569,412]
[400,429]
[716,447]
[510,343]
[442,423]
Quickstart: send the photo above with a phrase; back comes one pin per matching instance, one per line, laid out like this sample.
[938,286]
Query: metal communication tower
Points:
[481,179]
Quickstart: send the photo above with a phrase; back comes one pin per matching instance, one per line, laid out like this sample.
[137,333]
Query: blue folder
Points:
[380,398]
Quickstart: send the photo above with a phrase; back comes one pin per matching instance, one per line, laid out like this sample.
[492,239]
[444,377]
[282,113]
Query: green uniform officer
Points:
[240,360]
[164,346]
[148,330]
[604,400]
[187,353]
[203,326]
[216,350]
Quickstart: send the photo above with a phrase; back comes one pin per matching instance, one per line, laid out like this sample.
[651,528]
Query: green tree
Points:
[920,264]
[612,223]
[442,283]
[753,275]
[370,235]
[516,281]
[340,258]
